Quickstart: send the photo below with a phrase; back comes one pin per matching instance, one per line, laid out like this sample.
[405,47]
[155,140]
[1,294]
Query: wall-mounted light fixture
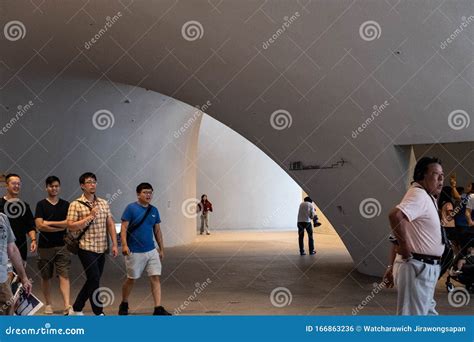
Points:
[296,166]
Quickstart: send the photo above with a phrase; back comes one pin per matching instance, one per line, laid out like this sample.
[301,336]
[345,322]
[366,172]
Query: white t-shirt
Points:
[305,212]
[424,234]
[470,202]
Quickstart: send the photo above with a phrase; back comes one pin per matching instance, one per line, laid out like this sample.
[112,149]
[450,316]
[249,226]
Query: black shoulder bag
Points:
[71,241]
[134,226]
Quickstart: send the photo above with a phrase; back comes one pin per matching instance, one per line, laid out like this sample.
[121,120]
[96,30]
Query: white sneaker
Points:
[76,313]
[48,310]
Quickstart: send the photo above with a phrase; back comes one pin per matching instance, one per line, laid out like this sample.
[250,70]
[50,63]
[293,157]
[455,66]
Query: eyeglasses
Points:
[90,182]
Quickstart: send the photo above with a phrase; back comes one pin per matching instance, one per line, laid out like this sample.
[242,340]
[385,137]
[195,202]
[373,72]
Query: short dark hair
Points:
[86,175]
[144,186]
[421,167]
[10,175]
[308,199]
[51,179]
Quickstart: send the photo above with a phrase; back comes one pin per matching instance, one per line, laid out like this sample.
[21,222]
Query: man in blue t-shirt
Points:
[140,223]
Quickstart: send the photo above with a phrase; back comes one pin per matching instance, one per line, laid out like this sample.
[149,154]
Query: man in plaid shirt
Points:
[84,211]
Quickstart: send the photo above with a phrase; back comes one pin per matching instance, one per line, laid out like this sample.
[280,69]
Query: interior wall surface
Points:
[248,190]
[125,135]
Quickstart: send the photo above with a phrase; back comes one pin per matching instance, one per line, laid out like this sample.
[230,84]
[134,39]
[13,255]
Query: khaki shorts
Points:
[136,263]
[6,297]
[52,258]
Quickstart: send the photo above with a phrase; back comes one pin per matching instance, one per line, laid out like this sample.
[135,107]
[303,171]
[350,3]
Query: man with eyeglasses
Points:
[91,213]
[20,216]
[140,223]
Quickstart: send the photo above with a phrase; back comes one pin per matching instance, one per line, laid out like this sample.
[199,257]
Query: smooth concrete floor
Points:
[243,268]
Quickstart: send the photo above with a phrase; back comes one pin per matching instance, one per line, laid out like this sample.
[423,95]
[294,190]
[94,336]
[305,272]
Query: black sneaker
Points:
[123,309]
[160,311]
[312,252]
[302,253]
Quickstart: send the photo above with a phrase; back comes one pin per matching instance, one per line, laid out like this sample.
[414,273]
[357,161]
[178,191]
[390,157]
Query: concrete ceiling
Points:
[319,63]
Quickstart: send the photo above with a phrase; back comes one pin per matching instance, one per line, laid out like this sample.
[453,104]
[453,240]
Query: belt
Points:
[428,259]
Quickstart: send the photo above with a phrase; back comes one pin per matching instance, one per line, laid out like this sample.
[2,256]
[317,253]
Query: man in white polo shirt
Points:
[416,225]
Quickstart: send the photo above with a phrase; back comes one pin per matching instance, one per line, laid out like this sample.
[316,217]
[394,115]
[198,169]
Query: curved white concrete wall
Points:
[248,190]
[143,140]
[323,64]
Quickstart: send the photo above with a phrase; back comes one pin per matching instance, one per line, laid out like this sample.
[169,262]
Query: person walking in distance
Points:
[305,216]
[205,207]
